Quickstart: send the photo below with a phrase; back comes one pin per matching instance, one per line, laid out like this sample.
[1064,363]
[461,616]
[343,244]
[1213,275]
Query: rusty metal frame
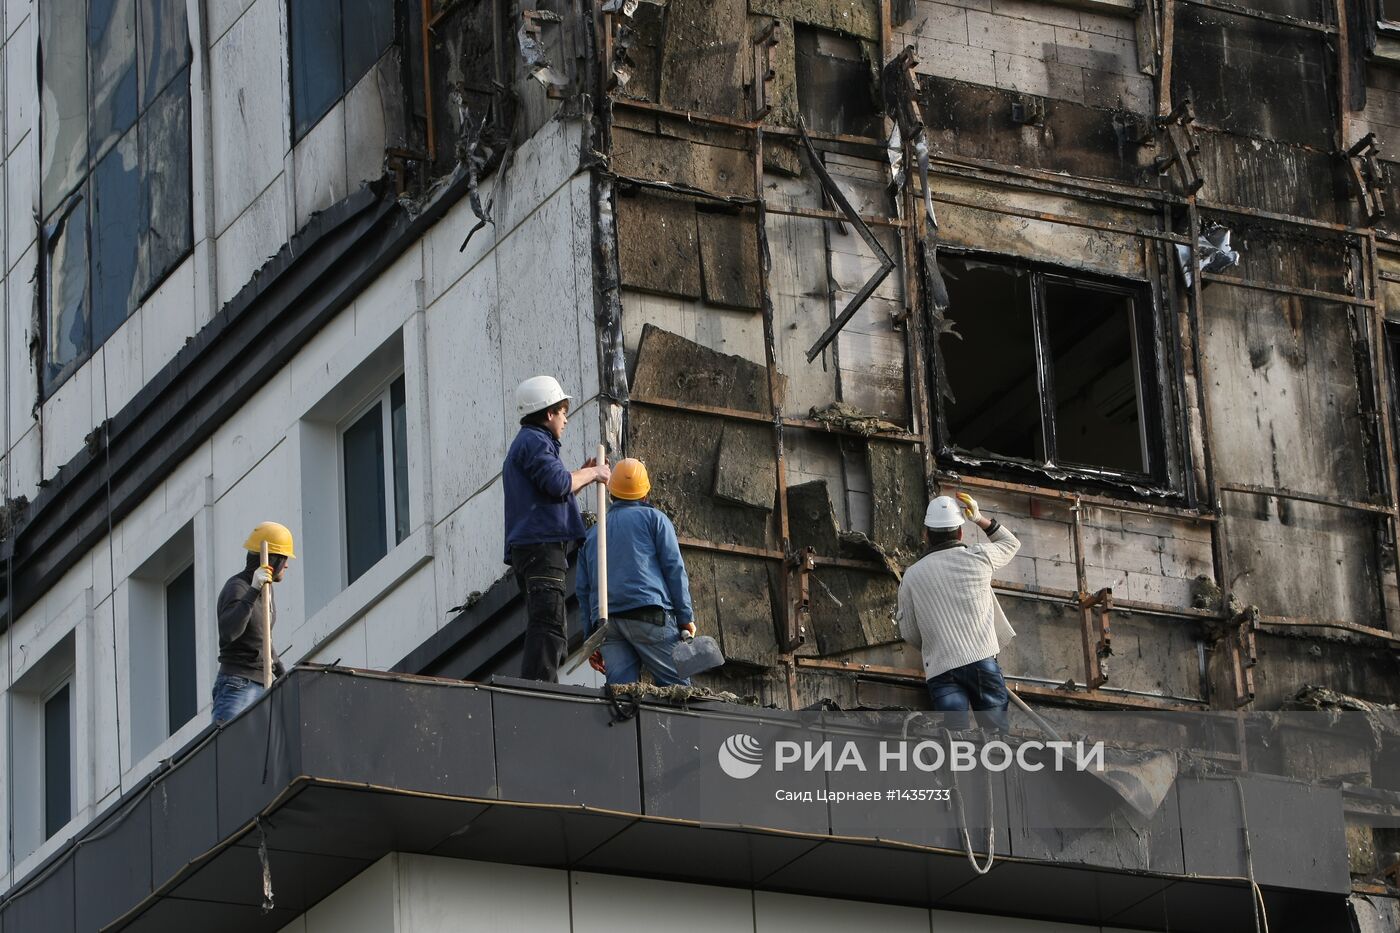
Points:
[1282,19]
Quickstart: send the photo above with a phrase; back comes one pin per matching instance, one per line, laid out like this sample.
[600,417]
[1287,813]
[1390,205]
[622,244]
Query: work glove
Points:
[262,576]
[970,507]
[688,630]
[595,661]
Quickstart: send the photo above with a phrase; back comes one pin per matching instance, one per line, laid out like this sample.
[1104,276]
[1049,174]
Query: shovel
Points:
[696,655]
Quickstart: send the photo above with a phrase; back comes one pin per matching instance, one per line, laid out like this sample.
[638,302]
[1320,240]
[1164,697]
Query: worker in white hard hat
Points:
[948,611]
[543,519]
[240,679]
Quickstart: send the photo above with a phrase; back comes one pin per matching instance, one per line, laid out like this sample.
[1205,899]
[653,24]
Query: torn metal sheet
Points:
[533,51]
[675,369]
[746,472]
[1212,251]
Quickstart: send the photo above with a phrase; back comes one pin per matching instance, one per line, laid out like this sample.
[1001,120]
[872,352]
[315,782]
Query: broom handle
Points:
[266,597]
[602,541]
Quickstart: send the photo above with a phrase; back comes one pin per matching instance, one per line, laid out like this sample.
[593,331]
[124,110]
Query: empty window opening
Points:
[58,760]
[1052,368]
[333,44]
[374,453]
[835,87]
[1390,13]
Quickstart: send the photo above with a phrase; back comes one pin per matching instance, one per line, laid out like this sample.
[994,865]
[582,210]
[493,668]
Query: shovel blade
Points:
[1142,780]
[696,655]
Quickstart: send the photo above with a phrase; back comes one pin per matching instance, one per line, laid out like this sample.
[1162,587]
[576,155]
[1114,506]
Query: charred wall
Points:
[1059,143]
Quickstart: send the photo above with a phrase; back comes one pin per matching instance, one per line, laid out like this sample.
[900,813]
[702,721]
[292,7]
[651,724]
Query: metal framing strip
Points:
[1061,495]
[806,424]
[1351,504]
[1068,221]
[1279,18]
[1381,376]
[1336,297]
[839,198]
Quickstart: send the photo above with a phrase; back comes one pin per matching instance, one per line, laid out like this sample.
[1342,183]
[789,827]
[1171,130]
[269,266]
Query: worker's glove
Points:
[277,669]
[688,630]
[970,507]
[262,576]
[595,661]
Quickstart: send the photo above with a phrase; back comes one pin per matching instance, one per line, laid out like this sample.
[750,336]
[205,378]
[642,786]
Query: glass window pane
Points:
[1098,418]
[992,370]
[167,227]
[164,45]
[63,149]
[116,203]
[112,45]
[181,694]
[66,341]
[366,536]
[369,28]
[58,765]
[317,70]
[398,418]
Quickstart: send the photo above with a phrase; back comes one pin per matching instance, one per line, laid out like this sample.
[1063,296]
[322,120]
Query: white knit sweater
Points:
[947,608]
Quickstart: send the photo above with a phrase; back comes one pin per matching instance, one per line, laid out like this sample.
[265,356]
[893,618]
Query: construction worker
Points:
[648,590]
[543,519]
[240,679]
[948,611]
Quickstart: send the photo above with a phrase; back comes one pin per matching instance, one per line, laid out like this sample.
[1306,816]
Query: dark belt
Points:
[653,614]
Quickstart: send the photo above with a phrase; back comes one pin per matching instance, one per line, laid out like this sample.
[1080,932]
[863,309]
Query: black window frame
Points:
[1154,391]
[298,129]
[77,204]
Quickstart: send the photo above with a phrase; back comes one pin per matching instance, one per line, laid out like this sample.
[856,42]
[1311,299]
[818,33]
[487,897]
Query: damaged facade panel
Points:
[1285,394]
[1270,538]
[658,244]
[737,594]
[704,65]
[979,122]
[718,166]
[1273,176]
[1283,72]
[1009,222]
[674,369]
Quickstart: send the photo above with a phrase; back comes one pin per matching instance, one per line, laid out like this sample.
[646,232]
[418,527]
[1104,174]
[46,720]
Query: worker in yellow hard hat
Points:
[240,679]
[648,590]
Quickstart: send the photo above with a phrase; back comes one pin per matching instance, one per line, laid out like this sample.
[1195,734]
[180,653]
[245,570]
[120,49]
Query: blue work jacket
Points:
[644,564]
[539,492]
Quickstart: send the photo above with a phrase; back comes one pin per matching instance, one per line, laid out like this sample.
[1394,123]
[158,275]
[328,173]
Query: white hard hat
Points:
[944,514]
[538,393]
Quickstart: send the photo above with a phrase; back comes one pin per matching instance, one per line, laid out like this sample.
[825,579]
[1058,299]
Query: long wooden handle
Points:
[602,541]
[266,597]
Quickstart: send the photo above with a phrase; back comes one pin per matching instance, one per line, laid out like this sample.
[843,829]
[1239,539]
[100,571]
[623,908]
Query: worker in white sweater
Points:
[948,611]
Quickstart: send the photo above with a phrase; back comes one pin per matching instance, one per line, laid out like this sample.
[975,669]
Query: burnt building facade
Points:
[1123,271]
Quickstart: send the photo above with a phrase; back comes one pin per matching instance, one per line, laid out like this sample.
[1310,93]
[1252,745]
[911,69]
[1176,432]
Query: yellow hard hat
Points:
[278,538]
[629,480]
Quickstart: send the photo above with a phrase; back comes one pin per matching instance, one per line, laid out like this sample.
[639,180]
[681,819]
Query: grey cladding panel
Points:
[114,870]
[184,822]
[428,737]
[542,745]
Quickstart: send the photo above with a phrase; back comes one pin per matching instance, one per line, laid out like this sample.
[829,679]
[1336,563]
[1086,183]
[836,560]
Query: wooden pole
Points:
[266,598]
[602,543]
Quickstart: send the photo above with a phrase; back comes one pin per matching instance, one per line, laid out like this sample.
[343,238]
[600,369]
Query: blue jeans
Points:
[630,644]
[232,695]
[977,686]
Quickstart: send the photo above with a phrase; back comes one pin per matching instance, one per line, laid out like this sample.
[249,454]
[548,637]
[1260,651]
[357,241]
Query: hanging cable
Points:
[962,818]
[112,570]
[1261,911]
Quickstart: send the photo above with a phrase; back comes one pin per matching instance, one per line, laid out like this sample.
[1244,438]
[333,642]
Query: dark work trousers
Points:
[539,571]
